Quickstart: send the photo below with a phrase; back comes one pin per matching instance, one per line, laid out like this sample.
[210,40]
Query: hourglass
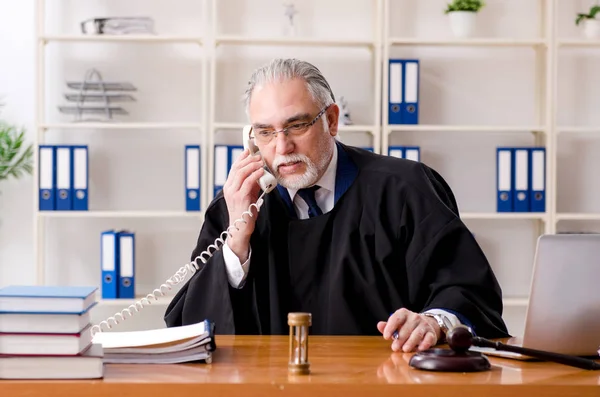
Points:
[299,324]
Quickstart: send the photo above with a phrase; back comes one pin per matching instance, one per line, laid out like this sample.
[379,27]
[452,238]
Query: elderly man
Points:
[368,244]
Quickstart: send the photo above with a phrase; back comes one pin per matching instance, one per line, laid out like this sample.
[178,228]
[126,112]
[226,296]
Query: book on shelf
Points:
[188,343]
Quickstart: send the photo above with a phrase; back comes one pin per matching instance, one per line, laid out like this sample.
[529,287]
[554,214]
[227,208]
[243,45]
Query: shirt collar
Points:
[327,180]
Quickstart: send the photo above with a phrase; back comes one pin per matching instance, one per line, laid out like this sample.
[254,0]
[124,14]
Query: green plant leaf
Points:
[15,158]
[591,15]
[465,5]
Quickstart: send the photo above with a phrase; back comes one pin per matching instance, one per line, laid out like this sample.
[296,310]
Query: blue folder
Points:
[192,177]
[109,260]
[520,179]
[403,91]
[80,177]
[47,177]
[504,176]
[64,200]
[126,288]
[537,170]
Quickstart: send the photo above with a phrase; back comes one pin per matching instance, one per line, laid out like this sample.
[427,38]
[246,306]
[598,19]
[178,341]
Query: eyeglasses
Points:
[266,135]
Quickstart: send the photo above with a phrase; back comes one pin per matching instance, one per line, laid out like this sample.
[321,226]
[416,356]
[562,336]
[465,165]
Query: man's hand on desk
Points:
[415,331]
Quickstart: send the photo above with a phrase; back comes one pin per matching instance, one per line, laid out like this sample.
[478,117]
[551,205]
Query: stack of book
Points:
[45,333]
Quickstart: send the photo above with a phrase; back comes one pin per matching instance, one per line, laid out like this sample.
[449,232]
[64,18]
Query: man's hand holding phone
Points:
[240,191]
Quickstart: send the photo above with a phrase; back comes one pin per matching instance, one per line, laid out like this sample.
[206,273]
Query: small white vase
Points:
[462,23]
[591,28]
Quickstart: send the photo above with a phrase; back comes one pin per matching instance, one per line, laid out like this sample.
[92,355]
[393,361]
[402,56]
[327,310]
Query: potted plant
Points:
[591,25]
[462,14]
[15,157]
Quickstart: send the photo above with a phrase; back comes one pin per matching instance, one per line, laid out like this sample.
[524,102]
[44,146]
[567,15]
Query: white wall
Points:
[458,86]
[17,72]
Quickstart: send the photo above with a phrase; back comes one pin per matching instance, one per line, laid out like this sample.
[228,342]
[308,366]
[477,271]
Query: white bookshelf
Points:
[373,45]
[109,130]
[578,43]
[543,130]
[578,129]
[471,42]
[120,39]
[121,214]
[516,302]
[120,126]
[295,41]
[466,128]
[577,217]
[505,216]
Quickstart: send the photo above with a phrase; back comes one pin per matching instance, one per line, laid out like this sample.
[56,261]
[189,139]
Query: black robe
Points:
[393,239]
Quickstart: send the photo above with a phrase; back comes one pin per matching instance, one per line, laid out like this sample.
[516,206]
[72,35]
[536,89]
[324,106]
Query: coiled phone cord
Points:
[179,276]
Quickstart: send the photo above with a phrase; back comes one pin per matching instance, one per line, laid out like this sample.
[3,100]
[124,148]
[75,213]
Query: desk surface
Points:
[340,366]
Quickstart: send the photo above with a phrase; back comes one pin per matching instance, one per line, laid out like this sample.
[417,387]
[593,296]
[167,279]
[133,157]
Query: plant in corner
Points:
[591,25]
[15,157]
[462,14]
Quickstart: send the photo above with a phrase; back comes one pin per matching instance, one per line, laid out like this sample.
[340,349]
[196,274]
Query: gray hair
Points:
[287,69]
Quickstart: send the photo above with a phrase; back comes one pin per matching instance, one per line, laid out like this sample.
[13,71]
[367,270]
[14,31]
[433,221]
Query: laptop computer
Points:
[563,315]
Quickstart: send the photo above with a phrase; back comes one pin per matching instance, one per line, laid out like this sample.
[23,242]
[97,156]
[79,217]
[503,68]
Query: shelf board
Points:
[119,126]
[120,214]
[577,216]
[296,41]
[341,128]
[515,302]
[575,129]
[228,126]
[503,215]
[475,42]
[122,38]
[358,128]
[465,128]
[162,301]
[578,43]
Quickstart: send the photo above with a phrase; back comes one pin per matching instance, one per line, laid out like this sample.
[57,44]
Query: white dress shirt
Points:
[325,197]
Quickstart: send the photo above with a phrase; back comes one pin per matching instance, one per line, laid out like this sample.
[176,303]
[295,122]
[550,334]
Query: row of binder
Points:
[63,173]
[405,152]
[402,152]
[403,91]
[117,258]
[225,155]
[521,179]
[63,177]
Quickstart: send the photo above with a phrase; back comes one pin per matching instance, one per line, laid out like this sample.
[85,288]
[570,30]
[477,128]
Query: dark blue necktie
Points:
[308,195]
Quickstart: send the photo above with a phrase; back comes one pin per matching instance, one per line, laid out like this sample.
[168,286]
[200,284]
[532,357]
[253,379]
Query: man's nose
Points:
[284,145]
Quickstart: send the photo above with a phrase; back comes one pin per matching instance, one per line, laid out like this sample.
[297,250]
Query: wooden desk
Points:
[248,366]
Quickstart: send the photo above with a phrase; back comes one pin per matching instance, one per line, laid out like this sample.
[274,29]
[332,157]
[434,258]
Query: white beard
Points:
[311,175]
[308,178]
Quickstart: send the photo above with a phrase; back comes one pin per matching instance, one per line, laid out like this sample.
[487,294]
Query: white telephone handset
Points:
[267,183]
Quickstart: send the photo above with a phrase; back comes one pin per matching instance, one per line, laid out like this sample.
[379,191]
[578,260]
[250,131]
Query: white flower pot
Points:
[462,23]
[591,28]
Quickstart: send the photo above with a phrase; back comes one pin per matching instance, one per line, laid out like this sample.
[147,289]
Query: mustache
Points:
[290,158]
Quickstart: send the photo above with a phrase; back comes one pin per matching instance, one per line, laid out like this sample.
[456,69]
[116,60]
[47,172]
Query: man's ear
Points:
[333,115]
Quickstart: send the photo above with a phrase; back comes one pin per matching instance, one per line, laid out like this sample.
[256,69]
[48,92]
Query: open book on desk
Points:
[188,343]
